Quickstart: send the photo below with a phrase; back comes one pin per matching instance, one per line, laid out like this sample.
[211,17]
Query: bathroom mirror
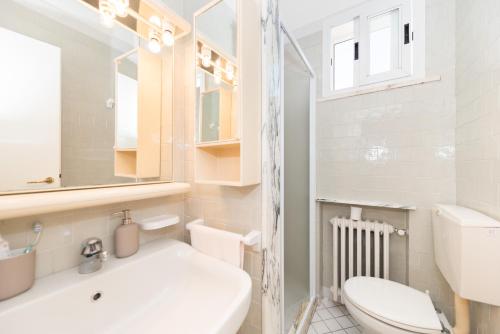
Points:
[216,73]
[223,34]
[83,98]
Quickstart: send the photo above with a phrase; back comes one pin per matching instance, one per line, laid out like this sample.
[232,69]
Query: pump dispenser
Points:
[126,236]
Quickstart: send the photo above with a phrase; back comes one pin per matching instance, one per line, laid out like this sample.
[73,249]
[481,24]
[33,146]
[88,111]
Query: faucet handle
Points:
[91,246]
[103,256]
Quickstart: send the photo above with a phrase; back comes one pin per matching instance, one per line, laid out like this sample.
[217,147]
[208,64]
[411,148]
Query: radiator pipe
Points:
[462,316]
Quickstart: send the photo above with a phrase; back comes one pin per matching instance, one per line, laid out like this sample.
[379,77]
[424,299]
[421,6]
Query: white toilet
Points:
[386,307]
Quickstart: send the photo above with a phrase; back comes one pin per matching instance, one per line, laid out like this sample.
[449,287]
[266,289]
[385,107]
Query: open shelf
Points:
[220,143]
[125,149]
[126,163]
[221,163]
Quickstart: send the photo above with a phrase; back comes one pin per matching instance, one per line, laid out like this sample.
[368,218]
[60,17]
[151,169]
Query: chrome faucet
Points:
[93,256]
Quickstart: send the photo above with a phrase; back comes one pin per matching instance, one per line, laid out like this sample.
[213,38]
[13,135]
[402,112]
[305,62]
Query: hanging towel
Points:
[223,245]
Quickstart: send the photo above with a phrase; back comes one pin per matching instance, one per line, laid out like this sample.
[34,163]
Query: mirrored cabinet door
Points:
[86,93]
[227,90]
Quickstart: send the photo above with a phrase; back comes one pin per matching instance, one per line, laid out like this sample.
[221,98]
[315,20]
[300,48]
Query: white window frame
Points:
[411,56]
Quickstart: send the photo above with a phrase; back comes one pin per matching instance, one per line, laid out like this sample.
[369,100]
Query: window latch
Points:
[356,51]
[407,33]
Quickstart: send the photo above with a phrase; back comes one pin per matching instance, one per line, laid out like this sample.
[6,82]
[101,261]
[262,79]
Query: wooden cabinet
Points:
[228,94]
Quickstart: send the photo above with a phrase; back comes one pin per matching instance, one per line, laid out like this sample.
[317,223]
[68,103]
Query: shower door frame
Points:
[312,175]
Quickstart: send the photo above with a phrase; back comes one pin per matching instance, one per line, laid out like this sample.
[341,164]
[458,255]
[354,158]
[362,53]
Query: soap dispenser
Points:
[126,236]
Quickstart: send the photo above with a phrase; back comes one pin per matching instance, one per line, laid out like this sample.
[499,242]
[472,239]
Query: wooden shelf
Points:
[220,163]
[221,183]
[21,205]
[225,143]
[131,149]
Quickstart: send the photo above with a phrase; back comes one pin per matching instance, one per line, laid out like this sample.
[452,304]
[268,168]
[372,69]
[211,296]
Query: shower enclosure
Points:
[298,182]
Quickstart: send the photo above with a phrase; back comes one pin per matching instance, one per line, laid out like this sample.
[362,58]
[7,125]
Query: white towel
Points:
[223,245]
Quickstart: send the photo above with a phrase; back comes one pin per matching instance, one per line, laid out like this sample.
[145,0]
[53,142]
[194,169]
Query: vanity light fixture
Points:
[121,7]
[168,34]
[206,56]
[229,71]
[108,13]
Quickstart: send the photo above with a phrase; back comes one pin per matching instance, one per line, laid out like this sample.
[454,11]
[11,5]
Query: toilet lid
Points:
[393,303]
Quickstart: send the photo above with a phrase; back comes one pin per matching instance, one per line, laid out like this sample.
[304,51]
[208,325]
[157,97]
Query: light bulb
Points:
[154,43]
[121,7]
[217,76]
[206,56]
[168,34]
[107,11]
[217,72]
[155,20]
[229,71]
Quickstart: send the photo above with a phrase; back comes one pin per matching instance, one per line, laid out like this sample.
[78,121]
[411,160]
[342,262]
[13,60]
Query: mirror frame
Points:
[185,28]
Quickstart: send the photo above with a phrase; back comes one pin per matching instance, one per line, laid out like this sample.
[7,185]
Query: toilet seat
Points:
[393,303]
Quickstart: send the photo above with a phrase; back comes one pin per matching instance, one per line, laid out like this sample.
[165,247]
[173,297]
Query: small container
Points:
[356,213]
[17,273]
[126,236]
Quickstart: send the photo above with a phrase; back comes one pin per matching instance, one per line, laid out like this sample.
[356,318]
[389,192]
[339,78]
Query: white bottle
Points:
[4,248]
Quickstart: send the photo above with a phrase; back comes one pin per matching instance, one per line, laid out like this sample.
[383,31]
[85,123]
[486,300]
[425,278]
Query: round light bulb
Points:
[155,20]
[168,38]
[217,71]
[206,56]
[217,75]
[229,71]
[154,44]
[121,7]
[107,11]
[168,34]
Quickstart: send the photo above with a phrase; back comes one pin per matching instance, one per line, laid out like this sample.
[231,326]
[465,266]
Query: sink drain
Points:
[96,296]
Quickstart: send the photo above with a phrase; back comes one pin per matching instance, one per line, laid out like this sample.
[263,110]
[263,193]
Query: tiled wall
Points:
[228,208]
[478,122]
[397,146]
[63,232]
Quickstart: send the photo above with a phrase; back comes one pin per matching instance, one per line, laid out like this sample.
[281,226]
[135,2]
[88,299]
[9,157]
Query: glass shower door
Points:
[296,169]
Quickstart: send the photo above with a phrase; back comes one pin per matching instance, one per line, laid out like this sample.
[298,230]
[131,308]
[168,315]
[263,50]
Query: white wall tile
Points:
[478,122]
[396,146]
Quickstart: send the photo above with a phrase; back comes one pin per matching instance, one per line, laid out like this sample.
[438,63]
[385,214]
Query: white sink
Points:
[168,287]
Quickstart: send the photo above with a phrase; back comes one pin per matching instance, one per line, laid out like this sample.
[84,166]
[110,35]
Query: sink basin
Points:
[167,287]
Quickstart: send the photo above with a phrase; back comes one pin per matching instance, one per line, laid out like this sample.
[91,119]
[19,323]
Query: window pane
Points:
[384,39]
[344,64]
[343,56]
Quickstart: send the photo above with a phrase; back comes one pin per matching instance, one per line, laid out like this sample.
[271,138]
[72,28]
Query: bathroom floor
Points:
[332,318]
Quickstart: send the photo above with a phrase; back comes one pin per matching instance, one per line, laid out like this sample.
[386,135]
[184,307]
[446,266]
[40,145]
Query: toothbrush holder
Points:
[17,273]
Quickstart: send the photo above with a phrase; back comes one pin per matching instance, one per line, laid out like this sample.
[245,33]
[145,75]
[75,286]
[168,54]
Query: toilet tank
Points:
[467,251]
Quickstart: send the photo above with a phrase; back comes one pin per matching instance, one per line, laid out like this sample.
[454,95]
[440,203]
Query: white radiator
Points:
[360,248]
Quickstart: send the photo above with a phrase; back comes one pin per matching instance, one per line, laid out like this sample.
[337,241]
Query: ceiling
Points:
[298,14]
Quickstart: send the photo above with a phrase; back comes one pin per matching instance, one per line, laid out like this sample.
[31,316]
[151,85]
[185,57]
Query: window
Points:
[342,60]
[379,41]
